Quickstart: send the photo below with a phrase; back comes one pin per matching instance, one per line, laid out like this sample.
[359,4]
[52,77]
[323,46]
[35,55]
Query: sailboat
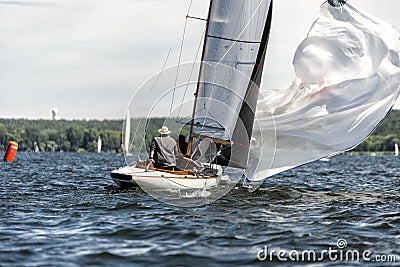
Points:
[347,80]
[99,144]
[126,132]
[396,149]
[241,50]
[36,148]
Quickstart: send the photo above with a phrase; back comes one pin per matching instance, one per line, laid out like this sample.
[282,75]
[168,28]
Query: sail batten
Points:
[234,40]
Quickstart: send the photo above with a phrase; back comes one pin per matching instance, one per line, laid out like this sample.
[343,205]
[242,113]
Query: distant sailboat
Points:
[36,148]
[126,132]
[99,144]
[396,149]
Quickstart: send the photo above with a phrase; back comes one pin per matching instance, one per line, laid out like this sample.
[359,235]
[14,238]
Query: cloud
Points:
[75,51]
[31,4]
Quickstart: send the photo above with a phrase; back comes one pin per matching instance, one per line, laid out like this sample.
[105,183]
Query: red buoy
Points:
[11,151]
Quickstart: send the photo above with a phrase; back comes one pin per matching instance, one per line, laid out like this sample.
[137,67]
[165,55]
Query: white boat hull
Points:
[132,176]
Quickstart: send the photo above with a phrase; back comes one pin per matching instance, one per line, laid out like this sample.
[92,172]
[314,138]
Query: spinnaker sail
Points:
[347,80]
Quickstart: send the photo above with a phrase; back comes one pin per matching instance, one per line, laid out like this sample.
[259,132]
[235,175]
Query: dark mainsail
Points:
[244,126]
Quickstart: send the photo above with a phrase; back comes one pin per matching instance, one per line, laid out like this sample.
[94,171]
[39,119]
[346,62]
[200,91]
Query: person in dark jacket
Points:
[164,150]
[183,145]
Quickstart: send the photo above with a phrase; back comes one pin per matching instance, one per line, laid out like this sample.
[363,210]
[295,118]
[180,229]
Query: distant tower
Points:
[55,115]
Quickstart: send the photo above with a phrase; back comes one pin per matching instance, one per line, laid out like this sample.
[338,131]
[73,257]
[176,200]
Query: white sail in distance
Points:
[126,133]
[99,144]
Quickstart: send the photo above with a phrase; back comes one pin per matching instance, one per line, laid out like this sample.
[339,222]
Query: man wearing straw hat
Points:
[163,150]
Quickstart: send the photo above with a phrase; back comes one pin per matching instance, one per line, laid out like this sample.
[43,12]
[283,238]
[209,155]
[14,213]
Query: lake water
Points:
[62,209]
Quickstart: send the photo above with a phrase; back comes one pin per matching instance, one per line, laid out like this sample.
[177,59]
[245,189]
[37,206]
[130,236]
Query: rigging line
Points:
[245,27]
[146,123]
[191,72]
[212,116]
[234,40]
[219,62]
[191,17]
[162,70]
[244,9]
[179,60]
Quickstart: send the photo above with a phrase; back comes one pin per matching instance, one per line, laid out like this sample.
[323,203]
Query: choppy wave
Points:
[64,210]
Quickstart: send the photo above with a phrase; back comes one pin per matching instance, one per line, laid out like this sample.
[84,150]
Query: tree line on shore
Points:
[384,136]
[70,135]
[62,135]
[82,135]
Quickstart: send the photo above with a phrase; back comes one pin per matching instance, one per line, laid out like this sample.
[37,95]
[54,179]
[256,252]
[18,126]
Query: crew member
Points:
[164,150]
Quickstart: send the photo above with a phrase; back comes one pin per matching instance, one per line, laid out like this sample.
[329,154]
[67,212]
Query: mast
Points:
[191,137]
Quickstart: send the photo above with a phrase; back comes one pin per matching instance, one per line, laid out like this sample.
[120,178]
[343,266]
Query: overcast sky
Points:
[87,57]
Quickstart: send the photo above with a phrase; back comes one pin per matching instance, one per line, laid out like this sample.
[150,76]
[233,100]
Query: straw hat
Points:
[164,130]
